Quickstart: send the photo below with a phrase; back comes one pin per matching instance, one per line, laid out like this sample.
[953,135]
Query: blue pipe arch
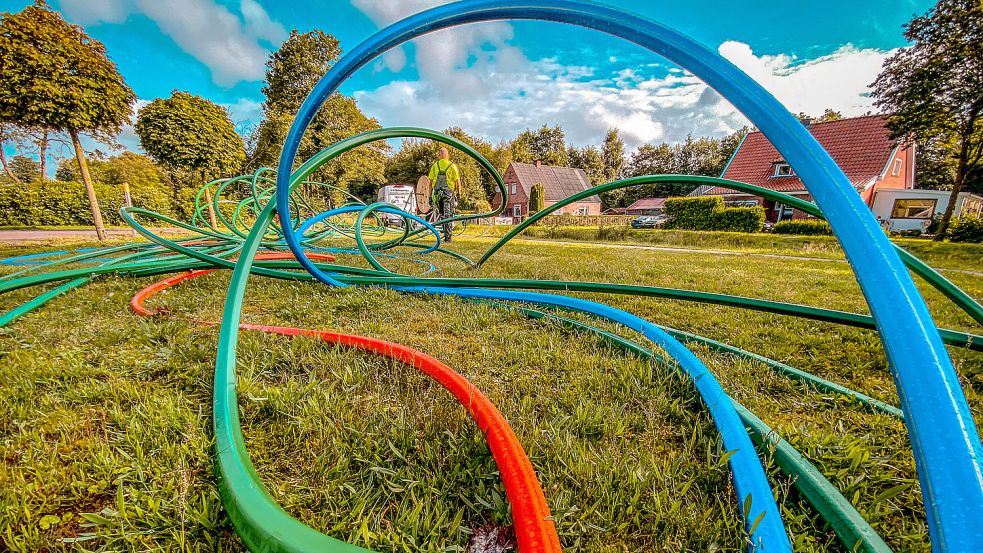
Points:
[946,445]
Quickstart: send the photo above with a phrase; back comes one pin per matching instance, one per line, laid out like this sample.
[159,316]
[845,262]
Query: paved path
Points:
[716,252]
[40,235]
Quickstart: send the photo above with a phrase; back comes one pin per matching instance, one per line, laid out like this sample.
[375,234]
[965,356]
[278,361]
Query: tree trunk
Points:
[961,169]
[43,148]
[90,191]
[6,168]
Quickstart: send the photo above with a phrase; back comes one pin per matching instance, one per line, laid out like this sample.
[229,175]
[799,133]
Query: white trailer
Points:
[402,196]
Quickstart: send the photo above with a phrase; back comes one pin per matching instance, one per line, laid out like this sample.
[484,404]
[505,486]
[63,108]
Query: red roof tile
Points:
[648,203]
[859,145]
[558,182]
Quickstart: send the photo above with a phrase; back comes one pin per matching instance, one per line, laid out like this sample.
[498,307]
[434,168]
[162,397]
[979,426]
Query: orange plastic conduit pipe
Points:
[534,528]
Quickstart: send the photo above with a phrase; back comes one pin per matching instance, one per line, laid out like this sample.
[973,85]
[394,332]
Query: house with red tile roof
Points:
[861,146]
[558,183]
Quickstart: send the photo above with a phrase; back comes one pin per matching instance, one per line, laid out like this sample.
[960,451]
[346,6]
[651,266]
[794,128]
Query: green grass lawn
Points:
[105,417]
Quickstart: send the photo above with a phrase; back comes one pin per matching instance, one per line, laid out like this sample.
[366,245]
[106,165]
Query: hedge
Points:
[803,227]
[574,220]
[65,203]
[967,228]
[709,213]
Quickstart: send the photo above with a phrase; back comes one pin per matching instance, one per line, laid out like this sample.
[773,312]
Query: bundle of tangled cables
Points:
[265,224]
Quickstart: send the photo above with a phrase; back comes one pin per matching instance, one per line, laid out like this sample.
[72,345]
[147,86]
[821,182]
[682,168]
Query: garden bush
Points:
[803,227]
[709,213]
[967,228]
[53,203]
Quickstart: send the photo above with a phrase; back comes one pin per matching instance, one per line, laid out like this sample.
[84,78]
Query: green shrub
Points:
[692,213]
[50,203]
[803,227]
[967,228]
[709,213]
[537,198]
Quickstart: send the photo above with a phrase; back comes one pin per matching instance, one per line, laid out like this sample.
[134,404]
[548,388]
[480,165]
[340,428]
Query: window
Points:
[896,170]
[912,208]
[783,169]
[513,189]
[583,210]
[783,212]
[516,209]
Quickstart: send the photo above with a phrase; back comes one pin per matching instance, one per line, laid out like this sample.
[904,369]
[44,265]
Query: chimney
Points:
[539,163]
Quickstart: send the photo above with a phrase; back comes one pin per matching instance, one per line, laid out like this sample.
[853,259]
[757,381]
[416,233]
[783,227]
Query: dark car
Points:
[647,221]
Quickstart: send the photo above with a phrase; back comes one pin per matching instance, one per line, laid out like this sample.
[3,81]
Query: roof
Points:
[648,203]
[861,147]
[558,182]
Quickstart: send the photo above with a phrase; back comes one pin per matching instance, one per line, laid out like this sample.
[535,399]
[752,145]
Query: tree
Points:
[613,151]
[933,90]
[828,115]
[415,157]
[191,134]
[291,73]
[547,144]
[591,161]
[55,77]
[5,135]
[729,145]
[25,169]
[537,198]
[147,181]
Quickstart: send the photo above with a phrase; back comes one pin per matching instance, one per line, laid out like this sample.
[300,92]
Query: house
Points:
[862,146]
[647,206]
[558,183]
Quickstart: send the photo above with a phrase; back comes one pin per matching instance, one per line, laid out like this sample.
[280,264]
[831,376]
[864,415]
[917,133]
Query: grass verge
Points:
[106,422]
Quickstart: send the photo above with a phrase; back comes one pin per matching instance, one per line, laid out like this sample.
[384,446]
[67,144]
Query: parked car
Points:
[647,221]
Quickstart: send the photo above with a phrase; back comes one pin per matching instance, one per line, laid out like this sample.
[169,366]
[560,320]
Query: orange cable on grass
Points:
[534,528]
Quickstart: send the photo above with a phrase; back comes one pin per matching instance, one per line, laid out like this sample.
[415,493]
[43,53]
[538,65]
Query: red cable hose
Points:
[534,529]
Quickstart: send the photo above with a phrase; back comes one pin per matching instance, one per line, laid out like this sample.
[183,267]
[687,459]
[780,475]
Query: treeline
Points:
[190,140]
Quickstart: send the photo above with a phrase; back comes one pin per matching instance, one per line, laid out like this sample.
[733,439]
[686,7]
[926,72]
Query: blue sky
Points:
[495,79]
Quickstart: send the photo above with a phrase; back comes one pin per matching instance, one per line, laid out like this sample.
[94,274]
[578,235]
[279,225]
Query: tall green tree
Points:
[291,73]
[590,159]
[933,89]
[7,134]
[25,169]
[537,198]
[54,76]
[149,186]
[191,134]
[613,152]
[546,144]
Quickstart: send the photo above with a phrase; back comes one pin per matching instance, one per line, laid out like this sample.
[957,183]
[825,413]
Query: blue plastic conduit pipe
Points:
[946,446]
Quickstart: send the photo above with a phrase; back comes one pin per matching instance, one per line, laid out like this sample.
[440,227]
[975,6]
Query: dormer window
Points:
[783,169]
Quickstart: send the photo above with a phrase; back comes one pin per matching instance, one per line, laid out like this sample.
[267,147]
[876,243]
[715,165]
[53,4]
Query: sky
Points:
[495,79]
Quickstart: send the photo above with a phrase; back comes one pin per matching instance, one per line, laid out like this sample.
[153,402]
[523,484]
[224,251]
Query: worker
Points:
[445,180]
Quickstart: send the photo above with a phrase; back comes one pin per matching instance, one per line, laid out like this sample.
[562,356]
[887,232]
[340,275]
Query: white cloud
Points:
[454,63]
[95,11]
[839,80]
[227,43]
[472,77]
